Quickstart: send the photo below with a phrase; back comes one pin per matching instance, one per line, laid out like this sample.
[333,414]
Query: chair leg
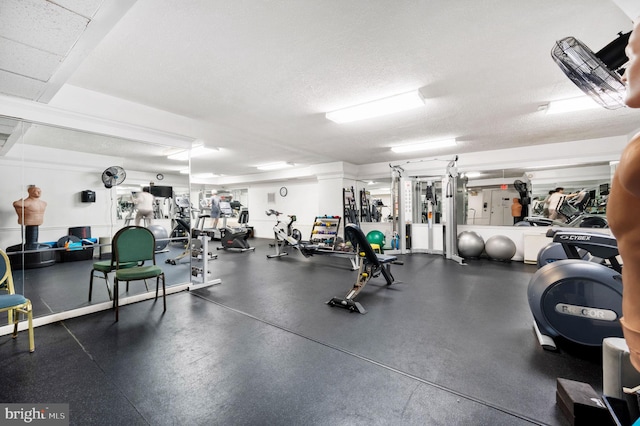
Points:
[164,294]
[106,282]
[28,310]
[32,344]
[15,322]
[115,296]
[91,284]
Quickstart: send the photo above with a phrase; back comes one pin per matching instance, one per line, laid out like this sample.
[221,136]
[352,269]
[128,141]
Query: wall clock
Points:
[283,191]
[159,176]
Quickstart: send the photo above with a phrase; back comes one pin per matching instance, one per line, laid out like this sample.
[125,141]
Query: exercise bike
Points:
[235,239]
[577,299]
[285,235]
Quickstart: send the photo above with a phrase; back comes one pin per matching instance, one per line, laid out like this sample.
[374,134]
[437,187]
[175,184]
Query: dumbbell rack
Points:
[324,232]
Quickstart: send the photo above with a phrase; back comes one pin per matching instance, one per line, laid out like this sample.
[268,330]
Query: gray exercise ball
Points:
[162,237]
[470,244]
[500,247]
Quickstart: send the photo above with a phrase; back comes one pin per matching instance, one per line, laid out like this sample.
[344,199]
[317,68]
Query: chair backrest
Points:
[354,234]
[6,277]
[134,244]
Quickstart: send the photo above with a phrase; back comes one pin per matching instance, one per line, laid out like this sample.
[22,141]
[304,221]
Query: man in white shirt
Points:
[144,206]
[555,201]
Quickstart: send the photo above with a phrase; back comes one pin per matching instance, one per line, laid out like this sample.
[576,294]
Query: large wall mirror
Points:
[373,200]
[490,194]
[234,206]
[88,182]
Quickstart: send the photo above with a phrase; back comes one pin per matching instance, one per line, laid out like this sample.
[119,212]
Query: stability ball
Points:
[376,237]
[162,237]
[470,244]
[500,247]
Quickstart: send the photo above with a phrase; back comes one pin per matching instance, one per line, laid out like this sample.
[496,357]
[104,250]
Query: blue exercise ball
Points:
[500,247]
[470,244]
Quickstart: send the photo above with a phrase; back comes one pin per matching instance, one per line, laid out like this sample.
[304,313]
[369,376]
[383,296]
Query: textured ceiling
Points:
[257,77]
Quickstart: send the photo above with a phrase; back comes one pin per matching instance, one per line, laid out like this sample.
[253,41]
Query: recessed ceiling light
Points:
[424,145]
[377,108]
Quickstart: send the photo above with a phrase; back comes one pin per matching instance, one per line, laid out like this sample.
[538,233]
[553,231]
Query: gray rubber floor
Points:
[448,345]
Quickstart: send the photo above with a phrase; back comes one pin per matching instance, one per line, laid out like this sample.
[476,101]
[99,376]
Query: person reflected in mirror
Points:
[555,201]
[516,210]
[143,202]
[214,205]
[545,204]
[623,207]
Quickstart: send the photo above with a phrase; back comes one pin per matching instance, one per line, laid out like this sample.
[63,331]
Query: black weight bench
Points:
[371,264]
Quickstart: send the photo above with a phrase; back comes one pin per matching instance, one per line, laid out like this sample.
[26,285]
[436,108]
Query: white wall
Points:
[301,200]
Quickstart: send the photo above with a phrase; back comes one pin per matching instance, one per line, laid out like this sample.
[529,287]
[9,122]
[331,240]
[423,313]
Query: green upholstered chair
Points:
[12,303]
[136,244]
[103,267]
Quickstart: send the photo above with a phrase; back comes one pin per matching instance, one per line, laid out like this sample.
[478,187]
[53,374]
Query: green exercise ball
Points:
[376,237]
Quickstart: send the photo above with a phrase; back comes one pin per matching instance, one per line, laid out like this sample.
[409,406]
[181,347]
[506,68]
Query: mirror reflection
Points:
[502,197]
[66,195]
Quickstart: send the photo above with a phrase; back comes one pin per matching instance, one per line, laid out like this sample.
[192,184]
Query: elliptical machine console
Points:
[578,299]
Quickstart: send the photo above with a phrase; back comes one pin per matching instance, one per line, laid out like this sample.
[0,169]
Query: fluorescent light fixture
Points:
[473,175]
[571,105]
[551,166]
[199,175]
[390,105]
[275,166]
[196,151]
[424,145]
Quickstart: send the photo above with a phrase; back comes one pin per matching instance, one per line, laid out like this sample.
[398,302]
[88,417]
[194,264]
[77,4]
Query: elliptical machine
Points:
[578,300]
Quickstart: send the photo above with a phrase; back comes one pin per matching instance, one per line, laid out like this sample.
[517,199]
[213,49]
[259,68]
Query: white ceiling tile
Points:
[86,8]
[28,61]
[17,85]
[41,24]
[254,78]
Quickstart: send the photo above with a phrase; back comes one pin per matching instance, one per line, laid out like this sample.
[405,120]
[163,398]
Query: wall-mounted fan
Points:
[596,74]
[113,176]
